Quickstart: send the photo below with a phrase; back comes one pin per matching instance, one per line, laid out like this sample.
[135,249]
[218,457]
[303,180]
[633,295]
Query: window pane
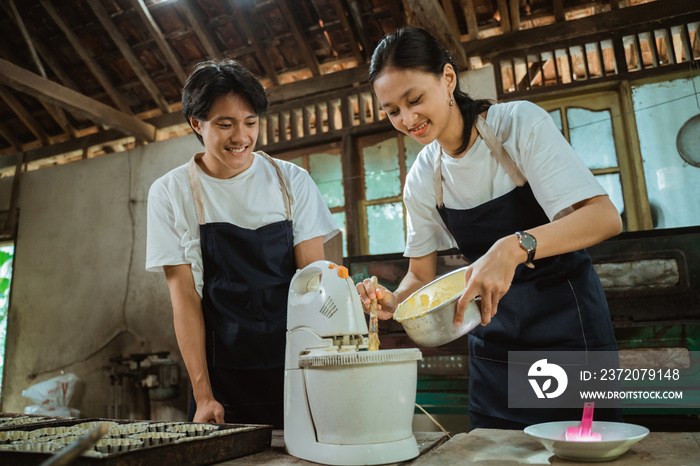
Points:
[556,116]
[327,172]
[6,257]
[672,184]
[381,164]
[592,137]
[298,161]
[613,186]
[412,147]
[385,228]
[339,218]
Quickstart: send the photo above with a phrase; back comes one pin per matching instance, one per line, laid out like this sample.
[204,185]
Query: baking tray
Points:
[227,442]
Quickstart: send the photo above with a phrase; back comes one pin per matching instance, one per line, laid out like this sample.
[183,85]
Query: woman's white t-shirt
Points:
[557,176]
[251,199]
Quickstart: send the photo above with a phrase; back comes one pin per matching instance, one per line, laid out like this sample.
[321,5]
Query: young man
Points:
[229,229]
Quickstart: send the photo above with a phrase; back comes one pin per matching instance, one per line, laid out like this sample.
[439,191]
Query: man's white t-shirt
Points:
[557,176]
[251,199]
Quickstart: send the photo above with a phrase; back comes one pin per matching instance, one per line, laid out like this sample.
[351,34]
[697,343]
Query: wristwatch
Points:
[529,244]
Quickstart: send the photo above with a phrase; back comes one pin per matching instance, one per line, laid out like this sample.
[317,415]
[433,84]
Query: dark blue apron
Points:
[244,301]
[558,305]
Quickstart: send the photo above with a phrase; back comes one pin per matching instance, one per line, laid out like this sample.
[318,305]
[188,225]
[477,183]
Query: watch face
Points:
[528,241]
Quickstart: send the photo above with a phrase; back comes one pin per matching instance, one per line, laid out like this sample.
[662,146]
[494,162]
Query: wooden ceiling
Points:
[83,78]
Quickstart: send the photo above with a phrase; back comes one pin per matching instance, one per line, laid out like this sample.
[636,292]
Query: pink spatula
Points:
[583,432]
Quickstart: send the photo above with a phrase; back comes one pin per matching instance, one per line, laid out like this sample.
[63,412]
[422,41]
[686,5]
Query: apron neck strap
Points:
[437,175]
[283,185]
[498,151]
[196,187]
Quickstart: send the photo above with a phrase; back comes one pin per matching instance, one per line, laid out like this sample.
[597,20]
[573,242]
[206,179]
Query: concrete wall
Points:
[80,294]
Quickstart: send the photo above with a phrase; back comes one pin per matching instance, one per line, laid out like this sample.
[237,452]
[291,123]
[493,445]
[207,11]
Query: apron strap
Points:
[499,152]
[285,192]
[438,180]
[196,187]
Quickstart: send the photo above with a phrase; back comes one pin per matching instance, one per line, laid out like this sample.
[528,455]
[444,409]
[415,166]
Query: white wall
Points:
[80,294]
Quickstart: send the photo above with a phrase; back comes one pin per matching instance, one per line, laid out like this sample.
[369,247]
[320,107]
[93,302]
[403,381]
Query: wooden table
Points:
[513,447]
[496,447]
[276,456]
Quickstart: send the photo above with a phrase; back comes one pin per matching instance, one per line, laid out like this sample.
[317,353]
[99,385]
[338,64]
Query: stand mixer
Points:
[343,404]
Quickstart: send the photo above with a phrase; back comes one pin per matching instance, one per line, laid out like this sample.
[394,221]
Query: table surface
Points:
[507,448]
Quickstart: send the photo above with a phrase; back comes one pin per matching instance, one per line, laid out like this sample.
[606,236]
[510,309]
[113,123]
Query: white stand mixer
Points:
[343,405]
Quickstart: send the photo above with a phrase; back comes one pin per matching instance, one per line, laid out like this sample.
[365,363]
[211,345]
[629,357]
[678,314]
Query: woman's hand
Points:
[386,300]
[490,277]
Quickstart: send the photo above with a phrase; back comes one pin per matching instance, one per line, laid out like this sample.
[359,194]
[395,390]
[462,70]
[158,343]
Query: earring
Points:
[452,101]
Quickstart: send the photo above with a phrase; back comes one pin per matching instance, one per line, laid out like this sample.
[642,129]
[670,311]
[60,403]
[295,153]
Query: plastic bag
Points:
[51,397]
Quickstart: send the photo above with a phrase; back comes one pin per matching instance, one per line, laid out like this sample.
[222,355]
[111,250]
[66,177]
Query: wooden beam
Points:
[514,15]
[7,134]
[302,41]
[558,10]
[470,17]
[87,57]
[504,13]
[157,34]
[242,23]
[98,139]
[356,15]
[24,115]
[57,114]
[38,87]
[449,10]
[431,17]
[318,85]
[350,33]
[128,54]
[199,29]
[27,38]
[609,21]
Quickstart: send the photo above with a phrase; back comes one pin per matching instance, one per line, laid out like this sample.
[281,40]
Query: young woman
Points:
[501,183]
[229,229]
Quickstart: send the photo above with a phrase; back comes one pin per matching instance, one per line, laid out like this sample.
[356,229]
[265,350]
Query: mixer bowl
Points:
[427,315]
[360,398]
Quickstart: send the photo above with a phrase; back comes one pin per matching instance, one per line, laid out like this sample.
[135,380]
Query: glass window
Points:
[327,172]
[325,167]
[673,185]
[340,220]
[556,116]
[6,256]
[613,186]
[591,136]
[412,149]
[385,228]
[382,175]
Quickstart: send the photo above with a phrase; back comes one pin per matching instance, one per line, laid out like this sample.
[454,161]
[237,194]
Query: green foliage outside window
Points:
[6,256]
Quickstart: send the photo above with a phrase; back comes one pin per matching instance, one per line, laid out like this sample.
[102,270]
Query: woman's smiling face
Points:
[417,102]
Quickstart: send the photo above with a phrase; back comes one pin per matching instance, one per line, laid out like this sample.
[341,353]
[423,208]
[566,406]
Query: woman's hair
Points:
[412,48]
[212,79]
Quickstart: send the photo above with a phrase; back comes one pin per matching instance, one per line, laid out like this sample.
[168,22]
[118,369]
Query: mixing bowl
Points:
[427,315]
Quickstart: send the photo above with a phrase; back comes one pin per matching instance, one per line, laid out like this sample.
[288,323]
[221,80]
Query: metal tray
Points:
[215,447]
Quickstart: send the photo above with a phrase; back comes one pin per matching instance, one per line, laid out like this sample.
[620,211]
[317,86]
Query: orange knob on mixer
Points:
[343,272]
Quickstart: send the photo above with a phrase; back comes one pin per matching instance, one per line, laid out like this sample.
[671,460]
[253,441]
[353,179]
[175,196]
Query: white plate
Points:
[616,439]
